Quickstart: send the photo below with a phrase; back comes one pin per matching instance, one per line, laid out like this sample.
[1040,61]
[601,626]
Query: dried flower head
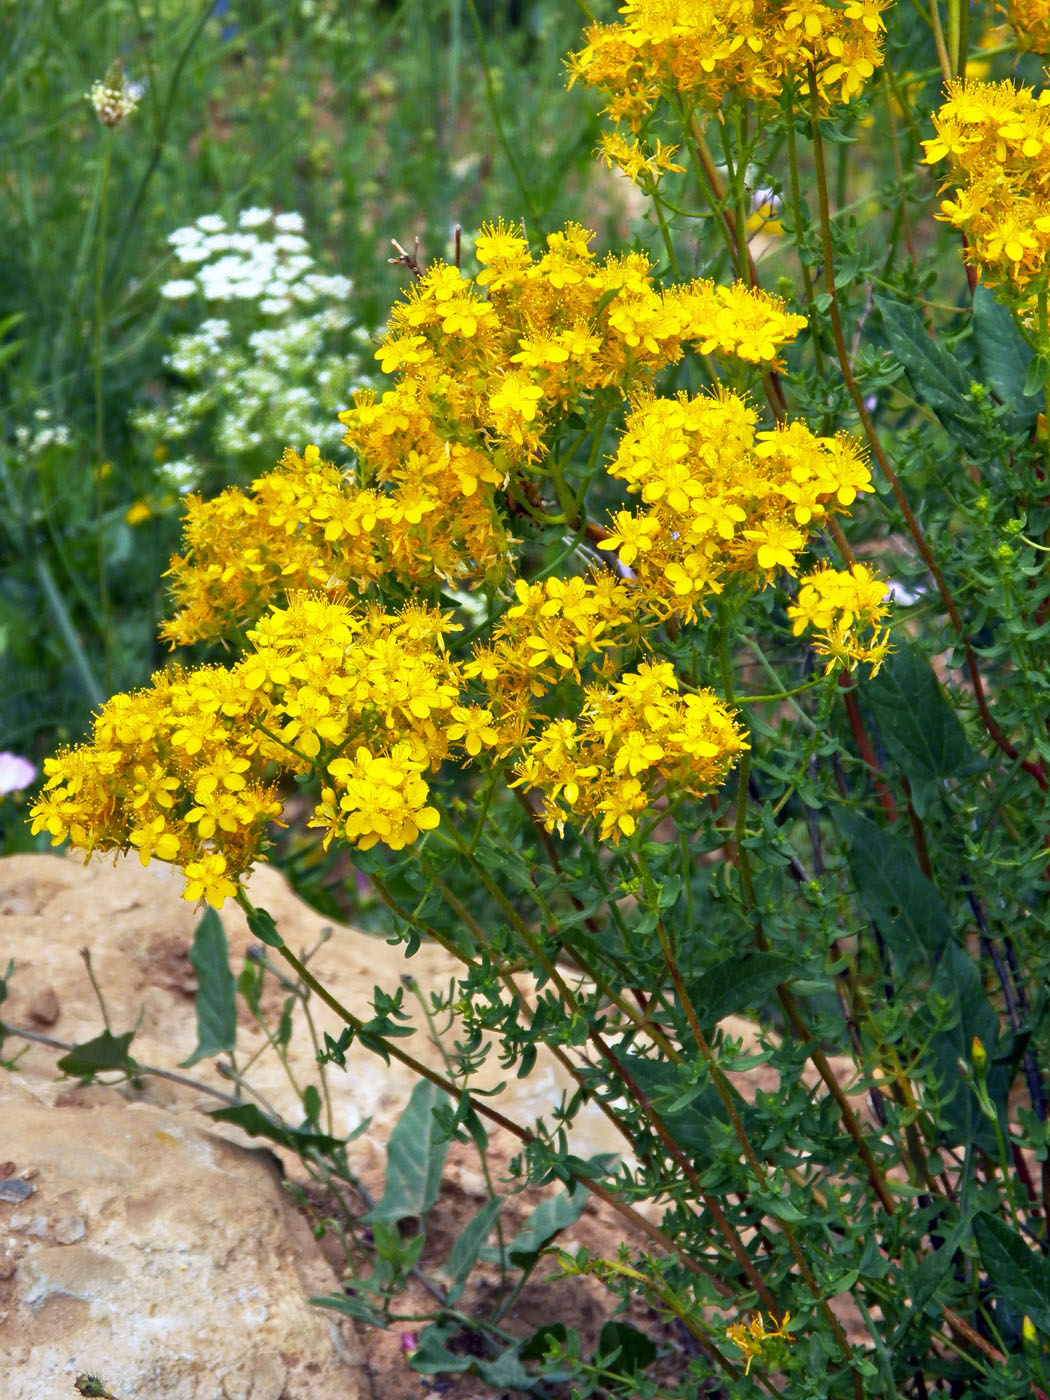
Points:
[113,97]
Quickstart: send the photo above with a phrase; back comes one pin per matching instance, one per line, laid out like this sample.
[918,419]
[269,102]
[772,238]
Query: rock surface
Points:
[157,1255]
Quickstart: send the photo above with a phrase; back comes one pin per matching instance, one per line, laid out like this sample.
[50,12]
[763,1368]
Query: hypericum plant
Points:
[586,664]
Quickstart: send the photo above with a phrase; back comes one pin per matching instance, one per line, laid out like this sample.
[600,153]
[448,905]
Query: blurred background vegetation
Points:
[121,363]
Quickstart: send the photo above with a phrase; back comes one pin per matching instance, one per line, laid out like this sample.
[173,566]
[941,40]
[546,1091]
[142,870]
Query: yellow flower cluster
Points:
[498,359]
[185,771]
[553,632]
[637,741]
[841,605]
[1030,21]
[486,370]
[754,1341]
[306,525]
[720,496]
[997,138]
[705,51]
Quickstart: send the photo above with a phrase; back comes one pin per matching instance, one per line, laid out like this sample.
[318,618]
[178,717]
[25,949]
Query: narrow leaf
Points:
[256,1124]
[464,1253]
[216,1003]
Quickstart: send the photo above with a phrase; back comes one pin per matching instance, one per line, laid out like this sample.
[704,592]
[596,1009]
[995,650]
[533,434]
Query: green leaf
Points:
[624,1349]
[1004,357]
[699,1127]
[505,1372]
[261,926]
[105,1052]
[919,729]
[935,374]
[957,983]
[1036,375]
[312,1103]
[351,1305]
[1019,1276]
[216,1001]
[895,893]
[432,1357]
[743,982]
[549,1218]
[536,1346]
[415,1158]
[464,1253]
[256,1124]
[927,1278]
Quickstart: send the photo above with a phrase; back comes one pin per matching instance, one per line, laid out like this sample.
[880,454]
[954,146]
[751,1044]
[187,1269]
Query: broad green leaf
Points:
[216,1002]
[918,727]
[1004,357]
[895,893]
[256,1124]
[957,983]
[104,1052]
[931,1271]
[536,1346]
[464,1253]
[432,1357]
[415,1158]
[549,1218]
[622,1348]
[505,1372]
[1020,1277]
[743,982]
[699,1127]
[936,375]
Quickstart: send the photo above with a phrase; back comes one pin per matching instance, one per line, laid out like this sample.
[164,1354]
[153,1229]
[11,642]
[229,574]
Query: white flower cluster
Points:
[45,433]
[273,361]
[265,260]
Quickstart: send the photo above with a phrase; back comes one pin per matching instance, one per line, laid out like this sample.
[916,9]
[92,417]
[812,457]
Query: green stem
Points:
[98,340]
[786,997]
[630,1084]
[798,215]
[497,120]
[757,1167]
[938,39]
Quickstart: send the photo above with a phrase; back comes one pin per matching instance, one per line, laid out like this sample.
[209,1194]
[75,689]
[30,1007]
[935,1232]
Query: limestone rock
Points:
[157,1255]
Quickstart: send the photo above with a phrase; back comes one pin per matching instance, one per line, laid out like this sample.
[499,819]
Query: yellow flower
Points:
[207,879]
[841,605]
